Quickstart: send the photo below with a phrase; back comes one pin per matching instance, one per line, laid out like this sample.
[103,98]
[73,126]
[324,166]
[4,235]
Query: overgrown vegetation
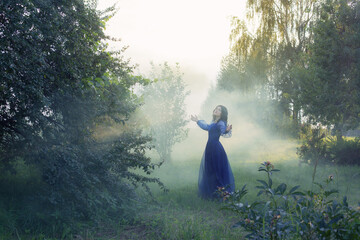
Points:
[293,214]
[58,81]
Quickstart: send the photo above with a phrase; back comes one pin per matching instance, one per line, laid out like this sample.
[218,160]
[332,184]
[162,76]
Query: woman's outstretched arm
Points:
[202,124]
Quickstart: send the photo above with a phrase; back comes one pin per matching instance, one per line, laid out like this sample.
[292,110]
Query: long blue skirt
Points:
[215,171]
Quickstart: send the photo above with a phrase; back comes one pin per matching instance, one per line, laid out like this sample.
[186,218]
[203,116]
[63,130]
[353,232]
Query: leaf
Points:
[281,188]
[263,183]
[345,203]
[298,193]
[259,193]
[293,189]
[271,191]
[318,184]
[328,193]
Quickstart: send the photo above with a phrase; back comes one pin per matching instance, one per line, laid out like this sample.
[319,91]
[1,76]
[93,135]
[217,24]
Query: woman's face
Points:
[217,112]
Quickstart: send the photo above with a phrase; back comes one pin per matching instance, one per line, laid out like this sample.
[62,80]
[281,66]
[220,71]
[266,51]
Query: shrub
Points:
[317,147]
[313,148]
[294,214]
[346,152]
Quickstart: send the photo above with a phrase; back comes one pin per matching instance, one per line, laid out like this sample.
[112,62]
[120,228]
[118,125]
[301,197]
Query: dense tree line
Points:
[58,82]
[303,56]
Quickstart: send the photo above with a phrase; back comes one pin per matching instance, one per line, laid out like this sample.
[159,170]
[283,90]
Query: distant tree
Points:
[270,54]
[245,74]
[164,108]
[330,90]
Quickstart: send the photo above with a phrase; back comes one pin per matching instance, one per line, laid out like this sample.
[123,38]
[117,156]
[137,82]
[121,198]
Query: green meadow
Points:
[181,214]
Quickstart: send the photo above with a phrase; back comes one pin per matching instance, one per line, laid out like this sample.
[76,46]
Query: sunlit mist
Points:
[193,33]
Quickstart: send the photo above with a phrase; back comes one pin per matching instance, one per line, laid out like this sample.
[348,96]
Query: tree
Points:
[330,90]
[58,81]
[164,108]
[270,54]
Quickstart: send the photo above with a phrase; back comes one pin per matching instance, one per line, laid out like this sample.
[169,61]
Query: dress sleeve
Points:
[227,134]
[222,127]
[203,125]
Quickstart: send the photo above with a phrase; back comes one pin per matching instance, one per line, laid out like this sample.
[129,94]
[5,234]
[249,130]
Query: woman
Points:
[215,170]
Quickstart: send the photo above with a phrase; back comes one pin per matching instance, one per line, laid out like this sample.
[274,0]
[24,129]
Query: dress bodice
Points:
[215,129]
[214,132]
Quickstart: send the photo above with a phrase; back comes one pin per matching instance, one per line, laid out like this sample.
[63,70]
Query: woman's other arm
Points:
[228,132]
[222,127]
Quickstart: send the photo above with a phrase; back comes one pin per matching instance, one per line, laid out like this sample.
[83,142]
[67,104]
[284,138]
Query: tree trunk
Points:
[338,132]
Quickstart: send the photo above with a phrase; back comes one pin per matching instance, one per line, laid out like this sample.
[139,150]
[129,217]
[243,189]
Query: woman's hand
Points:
[194,118]
[228,128]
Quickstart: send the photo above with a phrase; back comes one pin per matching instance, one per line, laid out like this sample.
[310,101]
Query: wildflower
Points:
[247,220]
[268,164]
[239,204]
[225,195]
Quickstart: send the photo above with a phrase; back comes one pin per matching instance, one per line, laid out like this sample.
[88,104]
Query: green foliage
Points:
[267,60]
[245,74]
[313,148]
[58,82]
[164,108]
[294,214]
[319,147]
[346,152]
[331,86]
[302,54]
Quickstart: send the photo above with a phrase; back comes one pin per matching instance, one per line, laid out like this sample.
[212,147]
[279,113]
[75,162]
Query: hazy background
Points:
[193,33]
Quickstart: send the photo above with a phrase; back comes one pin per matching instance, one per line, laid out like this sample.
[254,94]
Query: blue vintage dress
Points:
[215,170]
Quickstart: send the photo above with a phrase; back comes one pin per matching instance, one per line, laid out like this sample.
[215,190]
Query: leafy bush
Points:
[345,152]
[294,214]
[318,147]
[313,148]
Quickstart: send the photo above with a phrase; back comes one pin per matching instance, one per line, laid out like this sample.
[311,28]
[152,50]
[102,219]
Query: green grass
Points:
[181,214]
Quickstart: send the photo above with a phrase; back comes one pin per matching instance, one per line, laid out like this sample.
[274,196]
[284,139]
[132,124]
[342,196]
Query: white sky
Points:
[194,33]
